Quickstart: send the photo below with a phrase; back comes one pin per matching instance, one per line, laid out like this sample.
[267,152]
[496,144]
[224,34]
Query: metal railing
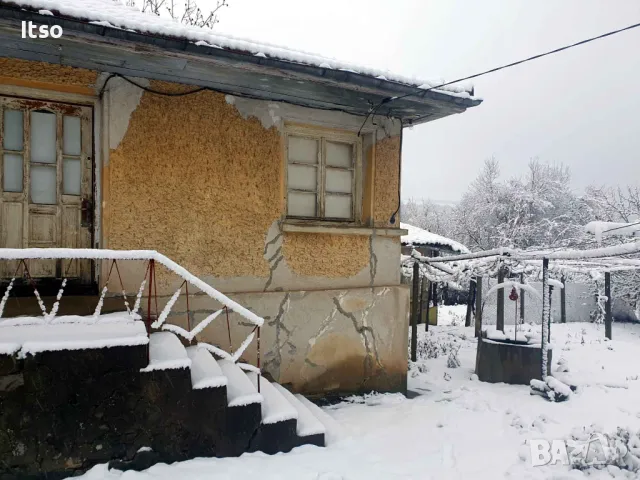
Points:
[148,283]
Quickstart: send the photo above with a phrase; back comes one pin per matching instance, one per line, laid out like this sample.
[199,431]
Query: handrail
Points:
[103,254]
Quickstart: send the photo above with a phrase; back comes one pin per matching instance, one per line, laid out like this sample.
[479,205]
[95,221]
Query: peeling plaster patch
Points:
[263,111]
[272,114]
[124,98]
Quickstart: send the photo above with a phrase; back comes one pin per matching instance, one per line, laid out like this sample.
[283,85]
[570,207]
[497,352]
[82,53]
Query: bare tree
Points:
[189,14]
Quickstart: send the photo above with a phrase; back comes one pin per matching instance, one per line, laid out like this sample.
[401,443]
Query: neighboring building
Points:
[266,182]
[427,243]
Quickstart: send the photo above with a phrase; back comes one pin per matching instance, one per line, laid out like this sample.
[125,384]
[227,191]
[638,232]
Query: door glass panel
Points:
[43,184]
[301,204]
[303,150]
[338,181]
[71,176]
[302,178]
[13,130]
[339,154]
[71,135]
[12,173]
[43,137]
[337,206]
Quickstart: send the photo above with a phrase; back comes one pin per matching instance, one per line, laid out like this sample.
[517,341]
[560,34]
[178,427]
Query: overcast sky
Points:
[580,107]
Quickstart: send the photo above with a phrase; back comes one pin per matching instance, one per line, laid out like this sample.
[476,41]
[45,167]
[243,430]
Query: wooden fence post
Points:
[467,320]
[546,315]
[424,300]
[522,304]
[478,326]
[415,304]
[429,288]
[500,309]
[608,317]
[563,301]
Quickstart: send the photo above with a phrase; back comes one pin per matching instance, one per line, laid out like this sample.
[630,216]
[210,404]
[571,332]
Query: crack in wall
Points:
[276,258]
[373,262]
[273,364]
[370,345]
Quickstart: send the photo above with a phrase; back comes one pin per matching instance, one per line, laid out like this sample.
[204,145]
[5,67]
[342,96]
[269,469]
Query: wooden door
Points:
[46,175]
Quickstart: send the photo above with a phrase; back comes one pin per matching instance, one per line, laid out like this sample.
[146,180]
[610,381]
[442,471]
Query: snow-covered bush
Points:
[430,346]
[589,448]
[453,361]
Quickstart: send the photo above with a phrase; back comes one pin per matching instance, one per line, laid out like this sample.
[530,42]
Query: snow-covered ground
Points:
[458,427]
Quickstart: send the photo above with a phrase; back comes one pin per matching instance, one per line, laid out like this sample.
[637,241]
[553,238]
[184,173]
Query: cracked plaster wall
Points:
[329,341]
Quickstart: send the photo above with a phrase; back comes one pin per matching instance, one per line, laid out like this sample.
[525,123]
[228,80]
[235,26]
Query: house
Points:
[430,244]
[427,243]
[260,169]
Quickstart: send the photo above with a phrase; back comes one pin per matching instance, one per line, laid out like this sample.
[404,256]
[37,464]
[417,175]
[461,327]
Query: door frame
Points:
[65,95]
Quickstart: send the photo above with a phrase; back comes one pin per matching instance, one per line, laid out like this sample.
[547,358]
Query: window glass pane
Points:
[71,176]
[338,181]
[302,178]
[339,154]
[13,130]
[43,184]
[12,173]
[303,150]
[301,204]
[337,206]
[43,137]
[71,135]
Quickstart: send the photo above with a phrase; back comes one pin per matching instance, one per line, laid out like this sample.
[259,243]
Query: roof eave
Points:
[448,104]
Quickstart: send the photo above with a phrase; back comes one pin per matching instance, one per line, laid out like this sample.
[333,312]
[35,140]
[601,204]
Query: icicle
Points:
[54,309]
[6,296]
[136,305]
[98,309]
[167,308]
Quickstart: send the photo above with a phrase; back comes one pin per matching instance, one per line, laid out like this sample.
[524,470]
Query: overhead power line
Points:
[423,91]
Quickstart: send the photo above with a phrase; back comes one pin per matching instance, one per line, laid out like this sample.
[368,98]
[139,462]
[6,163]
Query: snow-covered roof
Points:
[115,14]
[419,237]
[625,229]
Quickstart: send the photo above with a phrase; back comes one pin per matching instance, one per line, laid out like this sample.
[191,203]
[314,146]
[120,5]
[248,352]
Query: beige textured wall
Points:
[24,70]
[194,180]
[386,181]
[332,256]
[201,183]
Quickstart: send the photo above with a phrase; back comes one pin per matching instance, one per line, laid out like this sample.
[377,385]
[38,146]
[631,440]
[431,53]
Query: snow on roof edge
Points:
[110,13]
[418,236]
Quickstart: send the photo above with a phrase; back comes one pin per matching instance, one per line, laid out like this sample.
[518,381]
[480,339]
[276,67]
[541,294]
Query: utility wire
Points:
[422,92]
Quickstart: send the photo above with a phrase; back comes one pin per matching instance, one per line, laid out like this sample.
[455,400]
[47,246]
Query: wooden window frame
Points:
[322,136]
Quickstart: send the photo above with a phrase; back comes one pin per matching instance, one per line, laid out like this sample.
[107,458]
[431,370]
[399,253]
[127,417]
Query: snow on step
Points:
[333,431]
[166,353]
[240,390]
[31,335]
[275,407]
[205,371]
[308,424]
